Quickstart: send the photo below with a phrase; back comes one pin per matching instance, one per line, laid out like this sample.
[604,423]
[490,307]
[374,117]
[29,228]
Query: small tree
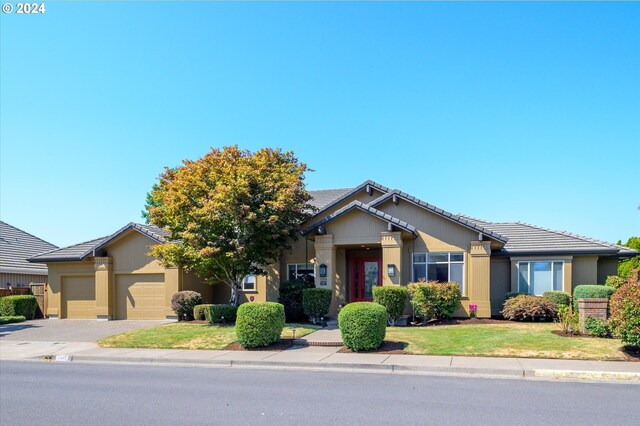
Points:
[626,266]
[229,213]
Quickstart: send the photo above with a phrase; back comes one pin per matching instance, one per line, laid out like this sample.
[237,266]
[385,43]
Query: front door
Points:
[365,274]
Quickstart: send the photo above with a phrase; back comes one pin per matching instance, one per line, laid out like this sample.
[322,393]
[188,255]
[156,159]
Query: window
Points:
[441,267]
[300,270]
[539,276]
[249,283]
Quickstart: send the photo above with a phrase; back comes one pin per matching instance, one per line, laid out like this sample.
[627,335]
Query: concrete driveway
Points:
[66,330]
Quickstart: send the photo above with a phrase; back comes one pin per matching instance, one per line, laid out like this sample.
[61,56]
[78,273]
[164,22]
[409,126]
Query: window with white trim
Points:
[536,277]
[249,283]
[443,267]
[298,271]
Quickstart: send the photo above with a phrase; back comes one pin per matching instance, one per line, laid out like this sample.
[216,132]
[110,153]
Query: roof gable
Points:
[16,246]
[331,198]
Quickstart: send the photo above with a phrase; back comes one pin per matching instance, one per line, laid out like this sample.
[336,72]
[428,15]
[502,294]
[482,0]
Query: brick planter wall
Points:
[595,308]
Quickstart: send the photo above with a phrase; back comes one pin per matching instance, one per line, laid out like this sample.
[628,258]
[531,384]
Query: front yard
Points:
[188,336]
[511,339]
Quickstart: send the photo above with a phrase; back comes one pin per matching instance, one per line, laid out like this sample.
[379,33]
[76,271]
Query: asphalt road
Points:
[100,394]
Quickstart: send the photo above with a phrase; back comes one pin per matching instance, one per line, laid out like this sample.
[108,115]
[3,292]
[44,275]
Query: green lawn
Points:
[511,339]
[187,336]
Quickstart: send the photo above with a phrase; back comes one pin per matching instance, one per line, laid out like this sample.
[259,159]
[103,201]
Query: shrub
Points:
[588,291]
[290,295]
[183,303]
[528,308]
[435,300]
[511,294]
[215,313]
[363,325]
[11,319]
[625,313]
[394,300]
[18,306]
[259,323]
[198,312]
[316,302]
[615,282]
[568,320]
[597,327]
[559,298]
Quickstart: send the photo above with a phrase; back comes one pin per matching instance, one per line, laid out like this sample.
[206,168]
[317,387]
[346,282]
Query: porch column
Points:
[391,255]
[326,255]
[172,285]
[104,288]
[479,284]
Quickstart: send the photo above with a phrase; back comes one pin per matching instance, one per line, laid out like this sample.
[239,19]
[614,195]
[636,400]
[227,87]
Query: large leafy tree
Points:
[229,213]
[626,266]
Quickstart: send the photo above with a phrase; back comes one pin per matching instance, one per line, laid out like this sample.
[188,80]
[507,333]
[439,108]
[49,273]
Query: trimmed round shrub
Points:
[614,281]
[20,305]
[589,291]
[220,314]
[529,308]
[259,323]
[625,313]
[290,295]
[394,300]
[183,303]
[559,298]
[316,303]
[435,300]
[363,325]
[11,319]
[198,312]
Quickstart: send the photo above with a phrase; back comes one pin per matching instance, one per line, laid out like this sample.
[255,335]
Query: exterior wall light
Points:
[391,270]
[323,270]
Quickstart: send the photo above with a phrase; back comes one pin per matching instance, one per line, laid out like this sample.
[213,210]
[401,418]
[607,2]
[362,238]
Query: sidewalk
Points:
[320,358]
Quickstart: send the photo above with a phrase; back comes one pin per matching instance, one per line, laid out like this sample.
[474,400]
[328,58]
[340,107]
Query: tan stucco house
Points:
[360,237]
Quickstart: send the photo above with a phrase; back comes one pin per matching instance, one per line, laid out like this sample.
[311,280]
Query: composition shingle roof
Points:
[367,209]
[82,250]
[324,199]
[16,246]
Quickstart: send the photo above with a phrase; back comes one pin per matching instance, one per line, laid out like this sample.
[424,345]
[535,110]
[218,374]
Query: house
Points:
[16,246]
[360,237]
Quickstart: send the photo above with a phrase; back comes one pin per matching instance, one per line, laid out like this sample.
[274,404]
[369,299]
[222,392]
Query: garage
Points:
[140,296]
[79,297]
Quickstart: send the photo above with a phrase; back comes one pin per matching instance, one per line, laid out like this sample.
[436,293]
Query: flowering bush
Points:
[473,309]
[625,312]
[183,303]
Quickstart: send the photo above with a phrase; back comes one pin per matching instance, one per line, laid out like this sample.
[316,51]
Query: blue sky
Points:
[523,111]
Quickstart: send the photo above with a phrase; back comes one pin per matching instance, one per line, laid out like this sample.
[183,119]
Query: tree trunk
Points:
[234,294]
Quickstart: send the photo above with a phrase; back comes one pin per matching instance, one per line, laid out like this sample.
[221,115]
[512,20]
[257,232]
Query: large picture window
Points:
[441,267]
[300,270]
[536,277]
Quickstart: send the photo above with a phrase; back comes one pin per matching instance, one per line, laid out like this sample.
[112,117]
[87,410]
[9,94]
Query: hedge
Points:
[529,308]
[220,314]
[394,300]
[588,291]
[435,300]
[198,312]
[183,303]
[363,325]
[290,295]
[20,305]
[259,323]
[625,313]
[11,319]
[558,297]
[316,303]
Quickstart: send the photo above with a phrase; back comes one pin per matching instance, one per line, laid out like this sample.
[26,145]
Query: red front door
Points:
[366,273]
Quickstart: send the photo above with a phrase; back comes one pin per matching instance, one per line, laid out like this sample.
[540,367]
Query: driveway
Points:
[66,330]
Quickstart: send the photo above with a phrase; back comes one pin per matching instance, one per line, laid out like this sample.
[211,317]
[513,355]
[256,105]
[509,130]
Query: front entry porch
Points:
[364,273]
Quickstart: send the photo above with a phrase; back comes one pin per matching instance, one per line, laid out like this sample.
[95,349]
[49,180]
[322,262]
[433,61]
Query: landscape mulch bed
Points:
[387,347]
[280,346]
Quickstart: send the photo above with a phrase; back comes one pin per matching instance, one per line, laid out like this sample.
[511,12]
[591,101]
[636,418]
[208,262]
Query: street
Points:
[106,394]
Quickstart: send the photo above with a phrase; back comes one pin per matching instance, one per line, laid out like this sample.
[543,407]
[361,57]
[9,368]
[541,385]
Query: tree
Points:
[229,213]
[626,266]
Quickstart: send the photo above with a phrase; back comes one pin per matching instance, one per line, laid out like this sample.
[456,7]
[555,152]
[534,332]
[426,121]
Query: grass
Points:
[11,319]
[511,339]
[188,336]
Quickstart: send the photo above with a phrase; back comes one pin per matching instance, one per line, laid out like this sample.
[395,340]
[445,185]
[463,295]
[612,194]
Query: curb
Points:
[585,375]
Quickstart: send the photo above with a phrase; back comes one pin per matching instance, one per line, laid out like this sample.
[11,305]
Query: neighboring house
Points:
[16,246]
[359,238]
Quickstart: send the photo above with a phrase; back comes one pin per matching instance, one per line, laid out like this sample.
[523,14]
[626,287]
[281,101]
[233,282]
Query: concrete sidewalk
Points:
[327,358]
